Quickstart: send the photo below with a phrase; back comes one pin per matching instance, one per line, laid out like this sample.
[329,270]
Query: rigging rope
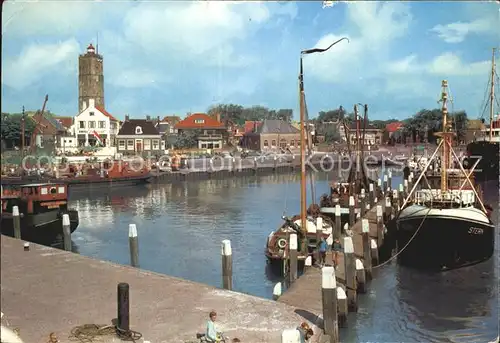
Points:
[89,333]
[407,244]
[484,103]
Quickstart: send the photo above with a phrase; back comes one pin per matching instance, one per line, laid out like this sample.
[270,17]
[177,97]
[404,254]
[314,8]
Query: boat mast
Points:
[446,135]
[492,94]
[303,188]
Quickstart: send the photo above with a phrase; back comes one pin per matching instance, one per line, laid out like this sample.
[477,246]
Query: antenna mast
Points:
[492,94]
[446,135]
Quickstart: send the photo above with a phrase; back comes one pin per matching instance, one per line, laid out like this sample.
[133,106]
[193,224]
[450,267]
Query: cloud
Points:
[36,61]
[458,31]
[371,28]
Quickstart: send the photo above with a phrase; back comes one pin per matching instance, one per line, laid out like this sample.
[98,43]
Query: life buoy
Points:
[282,243]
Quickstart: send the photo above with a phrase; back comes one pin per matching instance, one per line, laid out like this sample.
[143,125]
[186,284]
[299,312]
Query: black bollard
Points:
[123,307]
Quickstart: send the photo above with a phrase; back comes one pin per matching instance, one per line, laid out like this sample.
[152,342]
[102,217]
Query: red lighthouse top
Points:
[91,49]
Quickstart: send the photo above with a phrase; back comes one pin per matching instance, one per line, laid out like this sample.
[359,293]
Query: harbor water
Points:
[181,227]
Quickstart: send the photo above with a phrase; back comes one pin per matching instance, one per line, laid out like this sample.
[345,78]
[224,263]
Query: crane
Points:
[39,126]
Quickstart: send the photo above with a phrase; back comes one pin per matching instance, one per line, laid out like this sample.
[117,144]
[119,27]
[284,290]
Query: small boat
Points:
[277,241]
[41,206]
[444,224]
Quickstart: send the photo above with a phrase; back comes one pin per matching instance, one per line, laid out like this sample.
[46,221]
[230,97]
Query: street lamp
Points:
[303,188]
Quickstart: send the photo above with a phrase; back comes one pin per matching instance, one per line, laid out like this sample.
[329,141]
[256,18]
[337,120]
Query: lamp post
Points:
[303,188]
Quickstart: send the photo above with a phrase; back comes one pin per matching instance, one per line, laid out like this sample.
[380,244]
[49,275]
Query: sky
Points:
[165,58]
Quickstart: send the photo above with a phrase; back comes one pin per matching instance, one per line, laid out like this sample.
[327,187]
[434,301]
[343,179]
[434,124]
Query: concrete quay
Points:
[46,290]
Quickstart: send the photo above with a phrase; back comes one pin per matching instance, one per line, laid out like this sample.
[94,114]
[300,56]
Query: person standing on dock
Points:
[336,248]
[211,335]
[323,247]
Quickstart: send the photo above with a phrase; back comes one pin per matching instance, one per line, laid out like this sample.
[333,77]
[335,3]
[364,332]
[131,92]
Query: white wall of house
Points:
[142,143]
[91,119]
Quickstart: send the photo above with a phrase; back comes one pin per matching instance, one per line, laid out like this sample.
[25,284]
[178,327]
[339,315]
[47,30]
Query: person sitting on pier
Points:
[212,335]
[305,332]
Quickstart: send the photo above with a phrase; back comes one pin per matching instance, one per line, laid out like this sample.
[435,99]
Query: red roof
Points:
[65,121]
[106,113]
[251,124]
[393,127]
[199,121]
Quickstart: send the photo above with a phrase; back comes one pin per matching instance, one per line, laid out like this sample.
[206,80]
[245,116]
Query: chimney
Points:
[84,105]
[91,103]
[158,120]
[217,117]
[148,118]
[127,117]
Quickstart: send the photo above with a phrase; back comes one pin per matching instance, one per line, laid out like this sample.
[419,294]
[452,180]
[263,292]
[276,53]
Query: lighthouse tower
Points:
[90,79]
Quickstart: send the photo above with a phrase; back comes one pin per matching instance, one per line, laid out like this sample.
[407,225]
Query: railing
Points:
[464,197]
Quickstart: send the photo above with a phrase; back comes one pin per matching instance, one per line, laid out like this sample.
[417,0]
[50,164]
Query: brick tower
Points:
[90,79]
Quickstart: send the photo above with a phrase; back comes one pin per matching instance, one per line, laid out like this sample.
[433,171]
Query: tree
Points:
[332,134]
[186,139]
[331,115]
[238,114]
[11,128]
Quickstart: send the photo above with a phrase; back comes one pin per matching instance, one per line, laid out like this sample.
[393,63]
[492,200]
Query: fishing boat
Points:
[486,147]
[357,180]
[443,223]
[309,225]
[106,174]
[41,207]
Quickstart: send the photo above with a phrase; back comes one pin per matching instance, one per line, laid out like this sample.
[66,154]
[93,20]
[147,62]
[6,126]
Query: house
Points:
[272,134]
[47,129]
[94,125]
[166,126]
[394,127]
[137,136]
[371,134]
[251,126]
[210,133]
[66,122]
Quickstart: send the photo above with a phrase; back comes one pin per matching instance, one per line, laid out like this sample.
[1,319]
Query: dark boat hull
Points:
[488,166]
[278,264]
[83,182]
[443,242]
[39,227]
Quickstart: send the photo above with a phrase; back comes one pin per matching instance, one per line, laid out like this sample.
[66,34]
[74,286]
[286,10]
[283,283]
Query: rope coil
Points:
[89,333]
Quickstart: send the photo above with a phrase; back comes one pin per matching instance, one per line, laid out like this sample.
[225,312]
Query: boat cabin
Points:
[456,180]
[35,198]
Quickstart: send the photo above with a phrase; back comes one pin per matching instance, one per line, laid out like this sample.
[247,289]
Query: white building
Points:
[95,125]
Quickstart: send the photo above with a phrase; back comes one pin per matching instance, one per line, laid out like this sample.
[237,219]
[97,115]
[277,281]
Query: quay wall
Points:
[45,290]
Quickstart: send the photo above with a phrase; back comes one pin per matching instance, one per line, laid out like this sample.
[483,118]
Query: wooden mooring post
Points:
[380,226]
[374,252]
[66,227]
[319,234]
[405,188]
[16,217]
[389,179]
[372,195]
[388,209]
[329,300]
[133,241]
[360,277]
[338,222]
[350,274]
[352,213]
[385,184]
[227,265]
[367,248]
[342,307]
[293,246]
[362,202]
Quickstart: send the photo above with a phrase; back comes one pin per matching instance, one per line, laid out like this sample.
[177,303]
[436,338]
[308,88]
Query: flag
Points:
[327,4]
[97,137]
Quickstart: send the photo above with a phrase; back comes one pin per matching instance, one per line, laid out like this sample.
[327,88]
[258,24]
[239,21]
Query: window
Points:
[266,143]
[156,144]
[203,145]
[273,143]
[147,144]
[102,124]
[216,146]
[91,113]
[138,130]
[92,124]
[82,125]
[292,143]
[121,144]
[199,121]
[130,144]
